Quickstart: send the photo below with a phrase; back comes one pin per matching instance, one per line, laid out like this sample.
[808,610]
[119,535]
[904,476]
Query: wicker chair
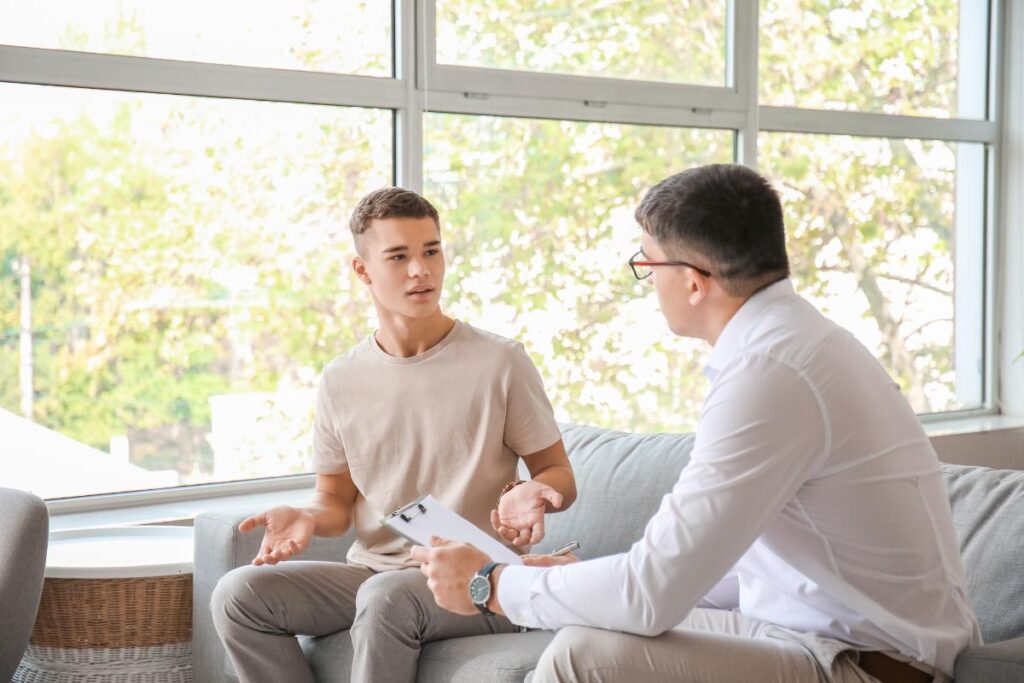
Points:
[24,528]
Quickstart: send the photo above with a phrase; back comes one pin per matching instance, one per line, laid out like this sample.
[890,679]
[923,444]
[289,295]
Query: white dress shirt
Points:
[813,500]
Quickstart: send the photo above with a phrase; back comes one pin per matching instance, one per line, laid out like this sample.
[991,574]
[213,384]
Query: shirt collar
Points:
[735,331]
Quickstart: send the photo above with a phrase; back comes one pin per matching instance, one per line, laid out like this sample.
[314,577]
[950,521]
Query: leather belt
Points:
[889,670]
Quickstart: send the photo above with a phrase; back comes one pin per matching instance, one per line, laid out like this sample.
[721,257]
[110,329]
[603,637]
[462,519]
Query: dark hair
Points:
[728,214]
[389,202]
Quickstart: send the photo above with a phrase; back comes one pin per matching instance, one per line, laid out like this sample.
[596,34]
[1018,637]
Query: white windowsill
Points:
[185,504]
[171,511]
[973,425]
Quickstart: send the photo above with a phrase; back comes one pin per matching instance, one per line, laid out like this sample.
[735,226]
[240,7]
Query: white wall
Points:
[997,448]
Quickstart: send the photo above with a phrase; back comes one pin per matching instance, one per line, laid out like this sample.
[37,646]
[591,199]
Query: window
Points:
[682,42]
[874,243]
[186,273]
[175,186]
[904,57]
[344,36]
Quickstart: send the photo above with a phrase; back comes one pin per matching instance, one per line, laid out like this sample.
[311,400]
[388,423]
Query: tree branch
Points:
[896,278]
[919,328]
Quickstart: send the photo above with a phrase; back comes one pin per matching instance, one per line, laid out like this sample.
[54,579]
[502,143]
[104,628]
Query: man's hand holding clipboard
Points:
[448,565]
[440,533]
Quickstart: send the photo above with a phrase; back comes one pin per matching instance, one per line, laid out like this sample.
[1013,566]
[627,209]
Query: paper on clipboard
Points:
[426,517]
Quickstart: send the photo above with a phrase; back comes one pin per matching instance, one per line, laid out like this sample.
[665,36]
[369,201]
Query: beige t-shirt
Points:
[451,422]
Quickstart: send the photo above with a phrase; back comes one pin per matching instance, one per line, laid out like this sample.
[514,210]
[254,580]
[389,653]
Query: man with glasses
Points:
[809,538]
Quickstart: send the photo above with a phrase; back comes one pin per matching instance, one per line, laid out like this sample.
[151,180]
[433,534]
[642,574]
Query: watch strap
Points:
[508,487]
[485,572]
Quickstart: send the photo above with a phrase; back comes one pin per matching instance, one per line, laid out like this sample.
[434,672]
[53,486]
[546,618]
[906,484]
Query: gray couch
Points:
[24,535]
[621,478]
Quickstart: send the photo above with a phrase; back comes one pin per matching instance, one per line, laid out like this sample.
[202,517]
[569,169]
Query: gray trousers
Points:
[258,611]
[709,646]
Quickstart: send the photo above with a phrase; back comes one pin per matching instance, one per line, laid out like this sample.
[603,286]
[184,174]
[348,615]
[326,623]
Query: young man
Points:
[809,538]
[427,404]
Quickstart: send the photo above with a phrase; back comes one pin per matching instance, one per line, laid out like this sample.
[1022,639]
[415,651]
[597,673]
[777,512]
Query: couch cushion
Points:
[330,657]
[999,663]
[988,513]
[501,657]
[504,657]
[621,478]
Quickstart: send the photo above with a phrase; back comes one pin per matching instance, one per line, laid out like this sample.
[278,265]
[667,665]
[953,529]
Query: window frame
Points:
[420,85]
[500,92]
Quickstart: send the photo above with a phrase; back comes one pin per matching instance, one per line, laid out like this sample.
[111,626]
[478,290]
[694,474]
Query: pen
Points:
[565,549]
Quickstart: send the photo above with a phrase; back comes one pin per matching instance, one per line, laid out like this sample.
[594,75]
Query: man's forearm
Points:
[333,516]
[561,479]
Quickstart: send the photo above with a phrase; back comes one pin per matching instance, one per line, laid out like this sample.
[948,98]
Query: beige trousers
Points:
[708,646]
[258,610]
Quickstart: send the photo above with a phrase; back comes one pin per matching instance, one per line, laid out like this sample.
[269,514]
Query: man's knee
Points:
[236,599]
[390,595]
[561,660]
[395,602]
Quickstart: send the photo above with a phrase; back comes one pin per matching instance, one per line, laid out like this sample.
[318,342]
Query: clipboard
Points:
[426,517]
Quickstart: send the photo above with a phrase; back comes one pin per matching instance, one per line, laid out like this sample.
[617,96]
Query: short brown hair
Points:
[389,202]
[729,214]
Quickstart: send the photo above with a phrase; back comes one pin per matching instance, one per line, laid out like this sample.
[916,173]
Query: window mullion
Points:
[409,119]
[145,74]
[794,120]
[743,55]
[541,108]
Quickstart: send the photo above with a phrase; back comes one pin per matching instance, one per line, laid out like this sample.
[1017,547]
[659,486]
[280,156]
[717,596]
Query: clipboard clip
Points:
[409,511]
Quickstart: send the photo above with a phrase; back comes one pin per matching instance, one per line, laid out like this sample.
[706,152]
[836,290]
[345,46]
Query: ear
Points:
[359,268]
[697,287]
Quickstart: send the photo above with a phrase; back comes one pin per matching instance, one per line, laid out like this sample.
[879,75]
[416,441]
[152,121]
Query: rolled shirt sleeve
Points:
[746,466]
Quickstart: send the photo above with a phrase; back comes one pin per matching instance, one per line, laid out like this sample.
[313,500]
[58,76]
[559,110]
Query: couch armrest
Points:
[219,548]
[995,663]
[26,524]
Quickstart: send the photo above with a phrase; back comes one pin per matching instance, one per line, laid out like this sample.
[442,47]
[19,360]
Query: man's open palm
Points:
[520,514]
[287,534]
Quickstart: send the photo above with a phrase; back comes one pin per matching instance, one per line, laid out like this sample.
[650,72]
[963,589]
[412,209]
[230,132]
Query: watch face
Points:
[480,590]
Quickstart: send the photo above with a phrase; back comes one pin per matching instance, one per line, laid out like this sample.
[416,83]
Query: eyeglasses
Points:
[643,269]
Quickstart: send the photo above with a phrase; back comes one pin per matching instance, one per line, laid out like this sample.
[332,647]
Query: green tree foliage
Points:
[892,57]
[660,40]
[153,291]
[541,229]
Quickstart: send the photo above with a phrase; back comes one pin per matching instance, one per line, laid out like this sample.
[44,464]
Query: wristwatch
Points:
[480,588]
